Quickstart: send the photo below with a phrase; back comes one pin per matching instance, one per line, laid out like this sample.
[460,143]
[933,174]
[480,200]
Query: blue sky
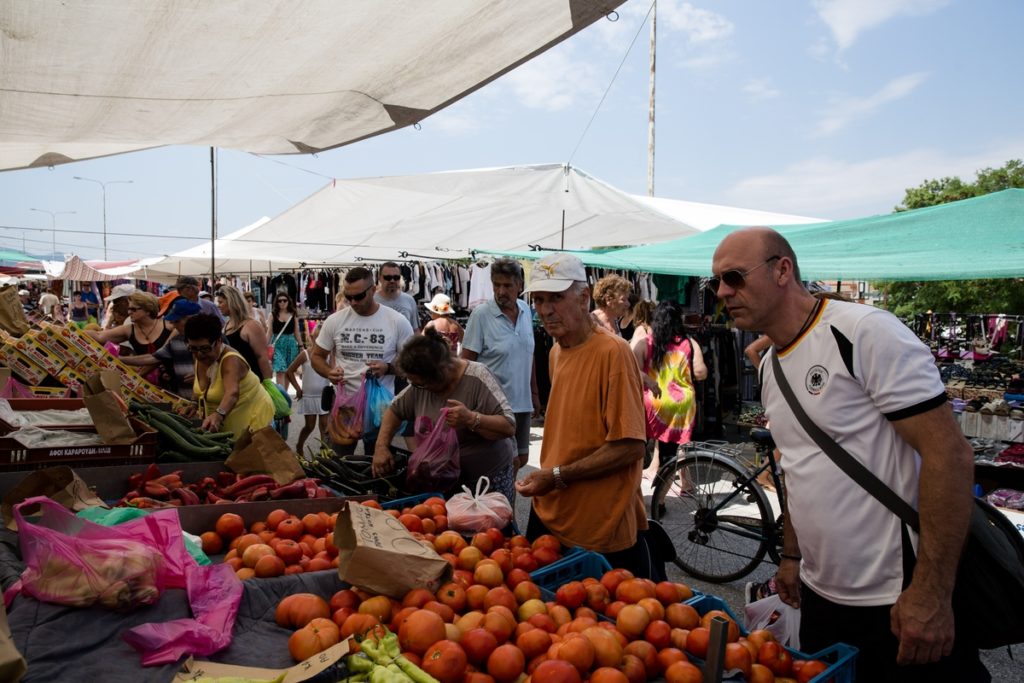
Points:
[826,108]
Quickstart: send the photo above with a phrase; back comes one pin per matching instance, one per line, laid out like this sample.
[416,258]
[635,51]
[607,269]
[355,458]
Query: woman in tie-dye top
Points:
[671,364]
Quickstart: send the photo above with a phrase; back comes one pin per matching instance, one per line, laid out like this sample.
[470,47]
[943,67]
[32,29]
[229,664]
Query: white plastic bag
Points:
[776,616]
[469,512]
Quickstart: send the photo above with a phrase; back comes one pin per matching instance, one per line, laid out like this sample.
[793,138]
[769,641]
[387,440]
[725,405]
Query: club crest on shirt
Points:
[817,378]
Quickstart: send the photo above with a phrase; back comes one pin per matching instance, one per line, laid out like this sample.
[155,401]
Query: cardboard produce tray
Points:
[14,456]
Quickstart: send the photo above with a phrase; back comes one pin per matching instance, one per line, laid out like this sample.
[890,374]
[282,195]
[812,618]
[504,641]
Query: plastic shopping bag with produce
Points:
[480,511]
[346,424]
[71,561]
[434,465]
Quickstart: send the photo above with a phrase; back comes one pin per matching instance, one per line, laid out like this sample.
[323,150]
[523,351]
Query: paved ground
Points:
[1004,667]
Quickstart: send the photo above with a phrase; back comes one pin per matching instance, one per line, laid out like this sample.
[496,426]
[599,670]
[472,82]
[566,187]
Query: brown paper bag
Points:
[194,670]
[12,663]
[59,483]
[12,315]
[376,553]
[111,424]
[102,381]
[265,452]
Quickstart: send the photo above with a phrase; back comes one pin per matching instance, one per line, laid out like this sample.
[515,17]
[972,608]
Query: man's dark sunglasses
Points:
[360,296]
[736,279]
[391,278]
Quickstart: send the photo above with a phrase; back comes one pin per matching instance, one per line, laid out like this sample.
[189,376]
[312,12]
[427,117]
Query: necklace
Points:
[807,322]
[146,333]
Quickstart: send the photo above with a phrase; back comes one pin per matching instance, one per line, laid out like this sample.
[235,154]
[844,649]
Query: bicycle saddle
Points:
[762,437]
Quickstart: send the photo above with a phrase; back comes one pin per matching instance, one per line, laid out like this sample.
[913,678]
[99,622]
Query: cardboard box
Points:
[24,367]
[89,347]
[45,358]
[14,456]
[50,336]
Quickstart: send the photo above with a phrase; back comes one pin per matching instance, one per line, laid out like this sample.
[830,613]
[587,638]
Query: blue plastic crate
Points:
[573,567]
[408,502]
[840,657]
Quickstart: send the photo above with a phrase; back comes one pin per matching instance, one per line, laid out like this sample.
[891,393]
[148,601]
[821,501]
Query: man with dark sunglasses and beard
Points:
[856,572]
[390,294]
[364,338]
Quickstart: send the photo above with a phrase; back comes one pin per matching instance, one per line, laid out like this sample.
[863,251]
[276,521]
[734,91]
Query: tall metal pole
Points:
[53,224]
[213,214]
[103,185]
[650,109]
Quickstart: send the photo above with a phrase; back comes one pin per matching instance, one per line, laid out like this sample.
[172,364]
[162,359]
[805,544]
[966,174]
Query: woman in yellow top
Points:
[231,398]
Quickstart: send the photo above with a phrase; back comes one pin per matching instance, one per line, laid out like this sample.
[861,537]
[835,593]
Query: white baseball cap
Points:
[121,291]
[556,273]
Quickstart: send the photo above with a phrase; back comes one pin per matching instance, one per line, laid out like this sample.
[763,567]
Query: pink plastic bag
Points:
[434,464]
[346,423]
[479,512]
[214,591]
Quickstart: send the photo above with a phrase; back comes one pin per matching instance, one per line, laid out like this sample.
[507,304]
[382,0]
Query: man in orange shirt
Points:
[587,492]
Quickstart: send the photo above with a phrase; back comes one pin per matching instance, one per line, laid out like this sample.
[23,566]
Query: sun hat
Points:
[167,299]
[556,273]
[121,291]
[440,305]
[181,308]
[23,292]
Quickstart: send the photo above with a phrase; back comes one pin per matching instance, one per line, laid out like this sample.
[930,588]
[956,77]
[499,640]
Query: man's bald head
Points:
[766,242]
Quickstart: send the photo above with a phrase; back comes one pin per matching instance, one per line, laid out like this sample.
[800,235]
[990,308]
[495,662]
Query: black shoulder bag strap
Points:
[837,454]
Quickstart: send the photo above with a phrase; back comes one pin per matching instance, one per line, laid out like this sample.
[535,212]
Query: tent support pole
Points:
[213,213]
[562,246]
[650,106]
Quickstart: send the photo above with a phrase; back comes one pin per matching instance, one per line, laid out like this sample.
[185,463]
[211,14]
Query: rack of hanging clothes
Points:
[972,336]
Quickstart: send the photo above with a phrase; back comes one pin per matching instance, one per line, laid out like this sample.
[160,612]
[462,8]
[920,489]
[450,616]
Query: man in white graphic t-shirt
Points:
[363,338]
[857,574]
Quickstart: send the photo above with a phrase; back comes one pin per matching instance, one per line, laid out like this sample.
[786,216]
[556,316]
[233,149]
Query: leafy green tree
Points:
[963,296]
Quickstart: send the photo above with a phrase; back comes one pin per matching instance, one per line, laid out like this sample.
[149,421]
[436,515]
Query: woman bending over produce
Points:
[230,396]
[477,410]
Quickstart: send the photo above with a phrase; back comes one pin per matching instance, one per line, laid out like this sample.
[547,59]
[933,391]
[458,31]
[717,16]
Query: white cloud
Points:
[700,36]
[553,81]
[847,19]
[843,111]
[835,188]
[699,25]
[761,89]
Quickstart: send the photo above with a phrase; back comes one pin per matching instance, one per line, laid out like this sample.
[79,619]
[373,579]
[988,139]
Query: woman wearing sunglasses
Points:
[477,410]
[284,336]
[671,365]
[230,396]
[143,331]
[243,333]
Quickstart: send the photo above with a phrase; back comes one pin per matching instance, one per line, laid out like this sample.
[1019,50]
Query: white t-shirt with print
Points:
[855,371]
[357,339]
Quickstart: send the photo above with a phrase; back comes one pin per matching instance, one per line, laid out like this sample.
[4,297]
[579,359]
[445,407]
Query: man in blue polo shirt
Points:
[500,335]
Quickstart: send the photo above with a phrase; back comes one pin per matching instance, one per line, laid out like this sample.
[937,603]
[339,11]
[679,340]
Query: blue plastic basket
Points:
[840,657]
[408,502]
[575,566]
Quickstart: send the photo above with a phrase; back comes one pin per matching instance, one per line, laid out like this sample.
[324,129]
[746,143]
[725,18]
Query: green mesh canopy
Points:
[981,237]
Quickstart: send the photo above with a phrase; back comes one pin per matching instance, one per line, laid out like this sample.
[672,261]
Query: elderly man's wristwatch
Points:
[556,472]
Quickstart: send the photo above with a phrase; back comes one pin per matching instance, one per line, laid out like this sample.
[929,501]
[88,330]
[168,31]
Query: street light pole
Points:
[53,223]
[103,184]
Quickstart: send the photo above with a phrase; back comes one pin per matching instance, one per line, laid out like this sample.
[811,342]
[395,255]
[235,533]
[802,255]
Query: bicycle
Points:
[716,511]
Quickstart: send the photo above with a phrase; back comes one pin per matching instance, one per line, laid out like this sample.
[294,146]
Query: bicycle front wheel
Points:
[717,515]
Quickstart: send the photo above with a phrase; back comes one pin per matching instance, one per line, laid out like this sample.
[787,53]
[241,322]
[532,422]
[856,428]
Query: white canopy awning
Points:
[445,215]
[88,79]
